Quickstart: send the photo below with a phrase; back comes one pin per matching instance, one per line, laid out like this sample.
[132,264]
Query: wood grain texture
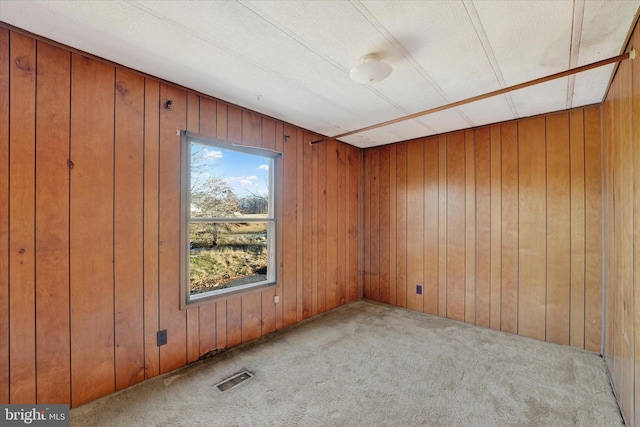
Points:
[532,228]
[151,223]
[456,226]
[431,178]
[95,158]
[341,232]
[442,226]
[593,229]
[128,229]
[354,163]
[481,208]
[234,321]
[193,313]
[308,226]
[402,212]
[495,302]
[470,229]
[509,215]
[415,223]
[52,225]
[558,228]
[332,226]
[635,161]
[623,247]
[91,264]
[174,354]
[393,241]
[234,125]
[4,217]
[22,317]
[289,238]
[384,262]
[577,163]
[300,223]
[251,316]
[483,243]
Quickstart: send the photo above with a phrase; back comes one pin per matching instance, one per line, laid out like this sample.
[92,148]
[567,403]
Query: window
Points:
[229,223]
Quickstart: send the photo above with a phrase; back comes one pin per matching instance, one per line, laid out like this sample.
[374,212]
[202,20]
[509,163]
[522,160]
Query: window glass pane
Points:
[227,254]
[228,183]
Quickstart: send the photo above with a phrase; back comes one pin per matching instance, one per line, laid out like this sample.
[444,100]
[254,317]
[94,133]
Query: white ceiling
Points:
[291,59]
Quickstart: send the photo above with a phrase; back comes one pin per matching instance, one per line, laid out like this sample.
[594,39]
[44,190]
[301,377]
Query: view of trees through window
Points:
[230,218]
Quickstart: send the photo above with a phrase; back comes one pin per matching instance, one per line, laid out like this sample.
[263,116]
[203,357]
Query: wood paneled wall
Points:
[89,226]
[621,118]
[500,225]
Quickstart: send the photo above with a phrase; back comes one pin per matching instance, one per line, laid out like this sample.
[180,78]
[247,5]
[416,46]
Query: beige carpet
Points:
[368,364]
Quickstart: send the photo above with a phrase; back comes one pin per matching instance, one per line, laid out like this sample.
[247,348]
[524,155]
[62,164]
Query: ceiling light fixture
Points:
[370,70]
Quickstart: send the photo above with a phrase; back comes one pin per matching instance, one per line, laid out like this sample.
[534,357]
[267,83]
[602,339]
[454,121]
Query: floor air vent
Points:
[234,380]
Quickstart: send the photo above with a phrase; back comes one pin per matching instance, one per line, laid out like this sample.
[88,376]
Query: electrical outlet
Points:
[419,289]
[162,337]
[276,299]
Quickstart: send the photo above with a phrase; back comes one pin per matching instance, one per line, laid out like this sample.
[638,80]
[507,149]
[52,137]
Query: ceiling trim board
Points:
[603,62]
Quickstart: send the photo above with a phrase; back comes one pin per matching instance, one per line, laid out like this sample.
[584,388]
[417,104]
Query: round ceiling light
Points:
[370,70]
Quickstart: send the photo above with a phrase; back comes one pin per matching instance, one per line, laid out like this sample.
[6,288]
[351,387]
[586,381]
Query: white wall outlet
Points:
[276,299]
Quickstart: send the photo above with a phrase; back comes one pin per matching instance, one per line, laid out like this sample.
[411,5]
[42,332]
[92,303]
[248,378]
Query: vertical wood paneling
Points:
[207,312]
[495,301]
[532,228]
[456,226]
[4,216]
[342,267]
[624,246]
[193,314]
[208,117]
[354,248]
[234,321]
[321,232]
[91,231]
[609,223]
[593,229]
[299,223]
[577,163]
[151,222]
[234,124]
[415,223]
[635,94]
[172,355]
[289,217]
[558,228]
[307,249]
[128,256]
[498,204]
[332,226]
[251,129]
[470,228]
[22,316]
[279,144]
[221,324]
[442,226]
[371,215]
[483,227]
[402,211]
[268,321]
[393,290]
[251,316]
[52,225]
[95,202]
[509,202]
[431,177]
[384,262]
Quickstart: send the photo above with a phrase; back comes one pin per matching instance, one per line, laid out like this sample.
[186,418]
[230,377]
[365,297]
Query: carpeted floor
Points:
[368,364]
